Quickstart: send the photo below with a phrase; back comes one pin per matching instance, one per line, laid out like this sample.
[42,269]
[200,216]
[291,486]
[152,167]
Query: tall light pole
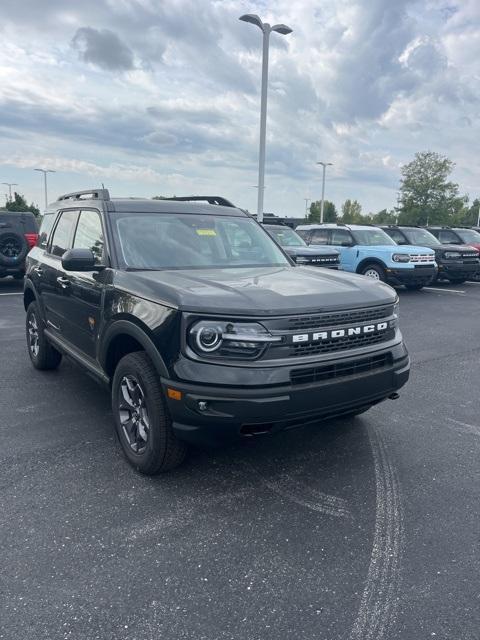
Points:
[307,200]
[324,165]
[266,30]
[10,185]
[478,219]
[45,171]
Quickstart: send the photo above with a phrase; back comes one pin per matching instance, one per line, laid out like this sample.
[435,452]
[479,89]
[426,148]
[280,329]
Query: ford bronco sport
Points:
[201,326]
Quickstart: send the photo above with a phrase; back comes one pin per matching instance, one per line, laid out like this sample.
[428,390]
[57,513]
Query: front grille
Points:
[422,257]
[339,318]
[341,344]
[340,369]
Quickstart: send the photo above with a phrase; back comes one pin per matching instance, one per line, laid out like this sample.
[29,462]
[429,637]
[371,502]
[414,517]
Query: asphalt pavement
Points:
[359,529]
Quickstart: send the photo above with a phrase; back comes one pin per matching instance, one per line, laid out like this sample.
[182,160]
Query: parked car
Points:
[456,235]
[300,252]
[18,234]
[201,326]
[456,263]
[371,252]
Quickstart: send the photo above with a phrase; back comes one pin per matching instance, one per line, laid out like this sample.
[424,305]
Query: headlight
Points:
[229,339]
[452,255]
[401,257]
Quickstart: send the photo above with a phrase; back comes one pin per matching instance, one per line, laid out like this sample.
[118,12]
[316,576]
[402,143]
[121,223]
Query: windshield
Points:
[286,237]
[371,237]
[468,235]
[420,237]
[189,241]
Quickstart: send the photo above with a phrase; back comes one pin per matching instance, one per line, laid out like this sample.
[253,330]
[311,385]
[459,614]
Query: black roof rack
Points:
[220,200]
[93,194]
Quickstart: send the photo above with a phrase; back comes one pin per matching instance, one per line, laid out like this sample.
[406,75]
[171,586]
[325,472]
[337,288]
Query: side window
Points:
[319,236]
[341,237]
[45,229]
[396,235]
[89,234]
[62,236]
[448,237]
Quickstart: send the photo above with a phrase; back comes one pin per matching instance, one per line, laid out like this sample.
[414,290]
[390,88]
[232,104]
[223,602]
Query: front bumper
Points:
[419,275]
[209,414]
[453,269]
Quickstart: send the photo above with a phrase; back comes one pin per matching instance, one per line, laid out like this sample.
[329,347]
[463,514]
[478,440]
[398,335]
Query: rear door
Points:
[82,313]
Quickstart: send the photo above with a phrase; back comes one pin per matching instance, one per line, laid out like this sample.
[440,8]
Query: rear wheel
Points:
[41,352]
[414,287]
[374,271]
[143,426]
[457,280]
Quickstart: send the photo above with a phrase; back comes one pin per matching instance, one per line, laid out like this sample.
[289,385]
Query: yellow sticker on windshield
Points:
[206,232]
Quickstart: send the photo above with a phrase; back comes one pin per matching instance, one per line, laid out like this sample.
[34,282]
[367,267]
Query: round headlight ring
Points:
[208,338]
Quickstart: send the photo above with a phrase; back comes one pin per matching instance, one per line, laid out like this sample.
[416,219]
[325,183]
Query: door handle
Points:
[38,270]
[63,282]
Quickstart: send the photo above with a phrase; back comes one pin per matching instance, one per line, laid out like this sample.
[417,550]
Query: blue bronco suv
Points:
[371,252]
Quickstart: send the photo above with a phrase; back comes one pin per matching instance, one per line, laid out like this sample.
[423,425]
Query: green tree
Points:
[426,195]
[20,204]
[329,212]
[385,217]
[468,216]
[352,212]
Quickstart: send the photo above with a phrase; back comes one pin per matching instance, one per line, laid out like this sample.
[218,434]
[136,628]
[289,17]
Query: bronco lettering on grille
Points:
[340,333]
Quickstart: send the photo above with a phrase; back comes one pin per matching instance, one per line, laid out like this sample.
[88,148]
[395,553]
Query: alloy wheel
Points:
[372,273]
[33,336]
[133,413]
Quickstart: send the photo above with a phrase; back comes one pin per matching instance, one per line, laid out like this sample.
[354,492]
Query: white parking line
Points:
[13,293]
[443,290]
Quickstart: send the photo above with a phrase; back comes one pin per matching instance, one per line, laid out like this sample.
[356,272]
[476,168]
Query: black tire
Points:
[42,355]
[371,268]
[457,280]
[414,287]
[142,423]
[13,249]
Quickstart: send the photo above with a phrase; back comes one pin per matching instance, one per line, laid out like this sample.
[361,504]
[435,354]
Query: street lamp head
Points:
[282,28]
[326,164]
[253,18]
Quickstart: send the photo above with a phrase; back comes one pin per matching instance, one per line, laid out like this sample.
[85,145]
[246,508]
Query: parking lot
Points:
[366,528]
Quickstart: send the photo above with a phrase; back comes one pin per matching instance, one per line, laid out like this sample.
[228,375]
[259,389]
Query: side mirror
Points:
[347,244]
[80,260]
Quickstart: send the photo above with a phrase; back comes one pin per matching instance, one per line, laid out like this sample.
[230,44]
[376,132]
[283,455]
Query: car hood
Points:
[459,248]
[311,251]
[261,291]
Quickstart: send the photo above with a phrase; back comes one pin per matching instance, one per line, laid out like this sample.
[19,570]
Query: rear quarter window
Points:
[45,229]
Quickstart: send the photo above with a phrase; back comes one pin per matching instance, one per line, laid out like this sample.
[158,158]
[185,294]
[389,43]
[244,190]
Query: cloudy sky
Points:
[162,96]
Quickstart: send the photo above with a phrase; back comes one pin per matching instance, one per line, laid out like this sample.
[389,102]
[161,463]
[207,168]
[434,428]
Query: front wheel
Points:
[374,271]
[457,280]
[143,426]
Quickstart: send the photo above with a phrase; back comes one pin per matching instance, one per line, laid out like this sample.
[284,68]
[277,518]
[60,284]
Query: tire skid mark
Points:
[378,606]
[288,487]
[465,426]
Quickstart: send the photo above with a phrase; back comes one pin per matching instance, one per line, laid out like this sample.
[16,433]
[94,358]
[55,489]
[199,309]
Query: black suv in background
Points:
[18,234]
[299,251]
[201,326]
[456,262]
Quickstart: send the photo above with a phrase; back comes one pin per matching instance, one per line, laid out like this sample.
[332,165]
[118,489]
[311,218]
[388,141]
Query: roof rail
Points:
[219,200]
[94,194]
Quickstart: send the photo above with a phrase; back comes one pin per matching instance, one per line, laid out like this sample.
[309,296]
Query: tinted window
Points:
[45,228]
[469,235]
[89,234]
[189,241]
[319,236]
[63,233]
[286,237]
[448,237]
[341,237]
[421,237]
[396,235]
